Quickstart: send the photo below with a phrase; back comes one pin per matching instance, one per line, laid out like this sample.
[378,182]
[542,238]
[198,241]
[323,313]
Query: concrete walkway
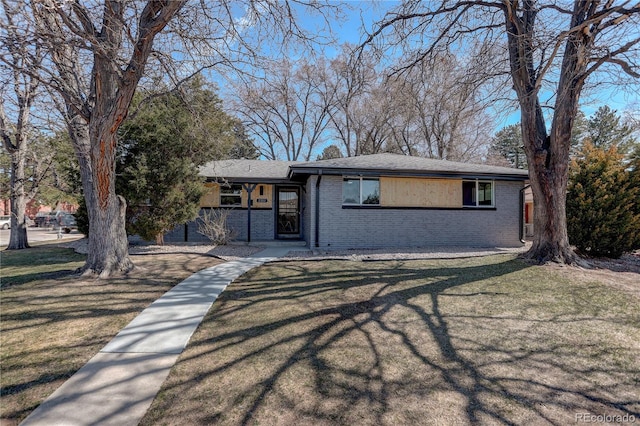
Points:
[117,386]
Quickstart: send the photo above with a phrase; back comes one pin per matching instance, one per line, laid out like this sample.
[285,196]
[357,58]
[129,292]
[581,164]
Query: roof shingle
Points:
[249,169]
[386,162]
[269,170]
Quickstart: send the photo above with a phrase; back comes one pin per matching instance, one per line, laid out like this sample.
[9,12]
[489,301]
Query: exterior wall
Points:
[262,216]
[212,197]
[344,228]
[305,213]
[262,224]
[309,211]
[262,227]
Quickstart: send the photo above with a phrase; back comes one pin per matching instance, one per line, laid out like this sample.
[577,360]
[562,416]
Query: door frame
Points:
[288,235]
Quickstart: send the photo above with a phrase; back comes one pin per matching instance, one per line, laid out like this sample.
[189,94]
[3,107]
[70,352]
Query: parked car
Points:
[5,222]
[45,220]
[67,221]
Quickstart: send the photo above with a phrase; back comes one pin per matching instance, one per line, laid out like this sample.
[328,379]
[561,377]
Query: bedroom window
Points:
[360,191]
[230,195]
[477,193]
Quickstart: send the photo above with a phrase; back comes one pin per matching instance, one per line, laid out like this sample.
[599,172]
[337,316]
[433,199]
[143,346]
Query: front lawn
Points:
[52,321]
[487,340]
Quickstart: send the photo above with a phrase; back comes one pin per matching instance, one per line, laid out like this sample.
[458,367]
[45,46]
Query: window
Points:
[230,195]
[361,191]
[477,193]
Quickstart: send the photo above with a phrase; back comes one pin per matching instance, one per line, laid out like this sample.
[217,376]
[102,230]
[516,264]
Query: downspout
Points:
[521,220]
[317,219]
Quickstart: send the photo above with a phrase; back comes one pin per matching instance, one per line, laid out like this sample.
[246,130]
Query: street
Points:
[39,234]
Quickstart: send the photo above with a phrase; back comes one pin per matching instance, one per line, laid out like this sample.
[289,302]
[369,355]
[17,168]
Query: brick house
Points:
[369,201]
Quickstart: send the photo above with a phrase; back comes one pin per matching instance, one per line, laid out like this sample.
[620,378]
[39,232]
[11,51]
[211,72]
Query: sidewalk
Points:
[117,386]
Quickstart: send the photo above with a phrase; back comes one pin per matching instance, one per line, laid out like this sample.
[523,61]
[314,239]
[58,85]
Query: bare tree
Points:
[19,90]
[442,107]
[351,84]
[550,47]
[98,53]
[287,110]
[117,41]
[373,118]
[434,109]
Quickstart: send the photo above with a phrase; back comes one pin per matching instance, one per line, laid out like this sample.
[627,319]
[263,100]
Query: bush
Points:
[213,225]
[602,215]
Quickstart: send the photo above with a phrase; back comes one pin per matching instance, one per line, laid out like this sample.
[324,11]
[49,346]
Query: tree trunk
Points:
[548,154]
[94,118]
[549,168]
[550,242]
[18,236]
[548,174]
[108,245]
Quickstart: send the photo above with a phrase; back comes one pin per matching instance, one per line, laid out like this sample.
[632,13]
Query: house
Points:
[368,201]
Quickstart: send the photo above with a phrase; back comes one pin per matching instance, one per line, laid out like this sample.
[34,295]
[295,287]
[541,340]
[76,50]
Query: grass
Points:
[52,321]
[487,340]
[23,266]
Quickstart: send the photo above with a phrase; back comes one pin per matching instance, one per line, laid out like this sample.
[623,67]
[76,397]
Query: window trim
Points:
[238,196]
[360,179]
[477,183]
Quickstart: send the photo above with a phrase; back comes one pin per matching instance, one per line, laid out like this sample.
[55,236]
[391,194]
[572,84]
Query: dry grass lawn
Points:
[52,321]
[487,340]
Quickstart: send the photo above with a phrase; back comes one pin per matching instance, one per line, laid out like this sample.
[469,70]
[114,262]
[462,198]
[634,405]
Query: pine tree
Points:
[508,143]
[162,147]
[330,152]
[604,129]
[634,176]
[602,203]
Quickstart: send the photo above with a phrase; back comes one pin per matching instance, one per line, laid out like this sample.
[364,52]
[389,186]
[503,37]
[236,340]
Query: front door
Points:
[288,213]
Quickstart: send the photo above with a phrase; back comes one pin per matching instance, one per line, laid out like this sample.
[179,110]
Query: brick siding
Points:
[262,227]
[344,228]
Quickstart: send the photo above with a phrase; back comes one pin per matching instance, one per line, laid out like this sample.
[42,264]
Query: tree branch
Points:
[611,58]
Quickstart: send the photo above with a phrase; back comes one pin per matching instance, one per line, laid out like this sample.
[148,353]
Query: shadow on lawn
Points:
[94,305]
[316,322]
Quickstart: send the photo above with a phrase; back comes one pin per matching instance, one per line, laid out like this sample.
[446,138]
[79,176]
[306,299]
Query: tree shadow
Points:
[322,343]
[52,327]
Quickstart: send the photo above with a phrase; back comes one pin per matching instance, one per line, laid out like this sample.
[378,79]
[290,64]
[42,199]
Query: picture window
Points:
[360,191]
[477,193]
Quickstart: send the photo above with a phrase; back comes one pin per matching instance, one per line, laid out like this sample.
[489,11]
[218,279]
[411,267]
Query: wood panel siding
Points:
[265,201]
[212,197]
[420,192]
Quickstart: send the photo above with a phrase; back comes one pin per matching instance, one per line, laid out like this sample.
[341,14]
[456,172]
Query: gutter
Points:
[407,173]
[521,219]
[317,218]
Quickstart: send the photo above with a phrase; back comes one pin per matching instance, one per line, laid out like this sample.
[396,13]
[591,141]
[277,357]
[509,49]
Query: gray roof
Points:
[375,164]
[395,164]
[247,170]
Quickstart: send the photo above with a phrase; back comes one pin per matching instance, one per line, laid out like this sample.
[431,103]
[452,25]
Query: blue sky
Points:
[367,13]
